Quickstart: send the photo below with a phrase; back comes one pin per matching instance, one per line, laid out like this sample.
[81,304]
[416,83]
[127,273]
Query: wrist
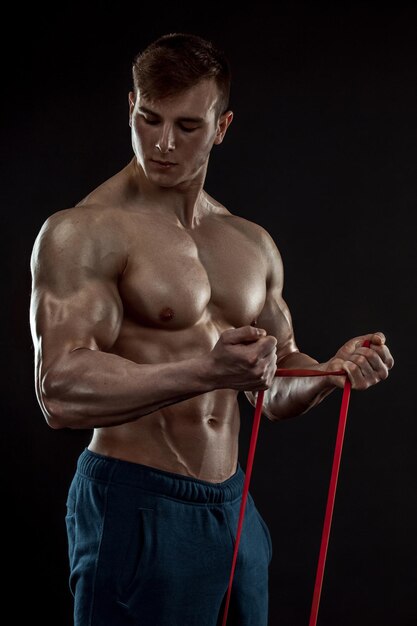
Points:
[203,371]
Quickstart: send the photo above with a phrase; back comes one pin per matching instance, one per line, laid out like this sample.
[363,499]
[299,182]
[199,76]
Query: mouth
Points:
[162,164]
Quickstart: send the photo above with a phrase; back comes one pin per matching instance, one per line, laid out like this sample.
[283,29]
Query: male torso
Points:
[134,286]
[179,289]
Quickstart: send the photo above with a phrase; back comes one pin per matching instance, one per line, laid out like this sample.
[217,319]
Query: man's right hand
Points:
[244,359]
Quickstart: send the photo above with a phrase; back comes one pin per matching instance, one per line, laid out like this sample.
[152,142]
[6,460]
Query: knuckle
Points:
[225,334]
[384,374]
[361,360]
[259,372]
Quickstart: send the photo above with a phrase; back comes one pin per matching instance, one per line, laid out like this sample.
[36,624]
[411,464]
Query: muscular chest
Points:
[173,278]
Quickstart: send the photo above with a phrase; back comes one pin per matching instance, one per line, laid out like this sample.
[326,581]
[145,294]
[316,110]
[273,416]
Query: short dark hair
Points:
[177,61]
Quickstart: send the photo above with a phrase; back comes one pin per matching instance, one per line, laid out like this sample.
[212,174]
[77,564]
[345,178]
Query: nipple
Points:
[167,314]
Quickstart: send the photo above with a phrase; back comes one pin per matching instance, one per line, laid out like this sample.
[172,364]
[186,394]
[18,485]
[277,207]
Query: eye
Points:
[149,121]
[187,129]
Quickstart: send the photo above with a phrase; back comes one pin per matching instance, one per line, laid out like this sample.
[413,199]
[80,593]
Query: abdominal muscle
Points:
[197,437]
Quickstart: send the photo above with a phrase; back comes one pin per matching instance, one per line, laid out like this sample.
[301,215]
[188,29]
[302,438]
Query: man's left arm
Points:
[288,396]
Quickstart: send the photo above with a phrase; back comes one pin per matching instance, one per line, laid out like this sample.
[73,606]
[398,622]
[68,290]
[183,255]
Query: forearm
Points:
[91,389]
[292,396]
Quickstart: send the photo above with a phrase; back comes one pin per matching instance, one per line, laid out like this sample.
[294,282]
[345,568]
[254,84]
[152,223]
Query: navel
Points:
[167,314]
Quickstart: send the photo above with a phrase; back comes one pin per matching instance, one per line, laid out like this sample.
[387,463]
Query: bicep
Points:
[275,316]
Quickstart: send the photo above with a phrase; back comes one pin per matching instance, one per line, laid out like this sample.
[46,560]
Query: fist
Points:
[365,366]
[244,359]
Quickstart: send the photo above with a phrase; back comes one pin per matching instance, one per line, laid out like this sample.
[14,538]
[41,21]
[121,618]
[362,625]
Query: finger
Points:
[379,357]
[365,370]
[355,375]
[265,346]
[386,356]
[377,339]
[266,368]
[242,334]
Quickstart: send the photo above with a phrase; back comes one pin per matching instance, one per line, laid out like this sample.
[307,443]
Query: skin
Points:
[153,306]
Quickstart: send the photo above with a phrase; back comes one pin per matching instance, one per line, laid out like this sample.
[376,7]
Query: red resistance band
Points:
[332,487]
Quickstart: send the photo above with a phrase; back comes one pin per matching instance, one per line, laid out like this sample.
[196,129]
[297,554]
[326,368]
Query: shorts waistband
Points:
[115,471]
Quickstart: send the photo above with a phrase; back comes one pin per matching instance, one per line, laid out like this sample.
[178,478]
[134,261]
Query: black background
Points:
[322,153]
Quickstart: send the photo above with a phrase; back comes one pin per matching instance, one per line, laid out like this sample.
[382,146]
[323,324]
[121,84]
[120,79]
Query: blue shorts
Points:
[152,548]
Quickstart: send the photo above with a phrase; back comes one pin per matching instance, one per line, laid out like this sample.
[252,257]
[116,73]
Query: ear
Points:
[131,106]
[223,124]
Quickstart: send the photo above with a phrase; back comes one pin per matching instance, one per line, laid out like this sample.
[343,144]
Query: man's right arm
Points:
[75,317]
[76,314]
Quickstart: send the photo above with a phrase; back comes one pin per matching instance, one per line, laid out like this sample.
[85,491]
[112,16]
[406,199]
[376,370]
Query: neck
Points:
[186,201]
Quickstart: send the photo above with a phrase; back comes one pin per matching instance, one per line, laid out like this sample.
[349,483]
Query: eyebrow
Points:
[195,120]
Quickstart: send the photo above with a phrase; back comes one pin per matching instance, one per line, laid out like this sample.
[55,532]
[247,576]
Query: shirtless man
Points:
[152,307]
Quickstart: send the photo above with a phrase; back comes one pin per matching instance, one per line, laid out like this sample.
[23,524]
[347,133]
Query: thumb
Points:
[243,334]
[377,338]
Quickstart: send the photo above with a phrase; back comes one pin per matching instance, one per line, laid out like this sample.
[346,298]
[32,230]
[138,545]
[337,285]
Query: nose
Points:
[166,140]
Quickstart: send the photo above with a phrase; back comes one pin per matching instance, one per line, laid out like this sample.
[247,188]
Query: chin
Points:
[165,181]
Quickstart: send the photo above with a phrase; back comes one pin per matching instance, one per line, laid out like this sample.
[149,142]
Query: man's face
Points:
[172,137]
